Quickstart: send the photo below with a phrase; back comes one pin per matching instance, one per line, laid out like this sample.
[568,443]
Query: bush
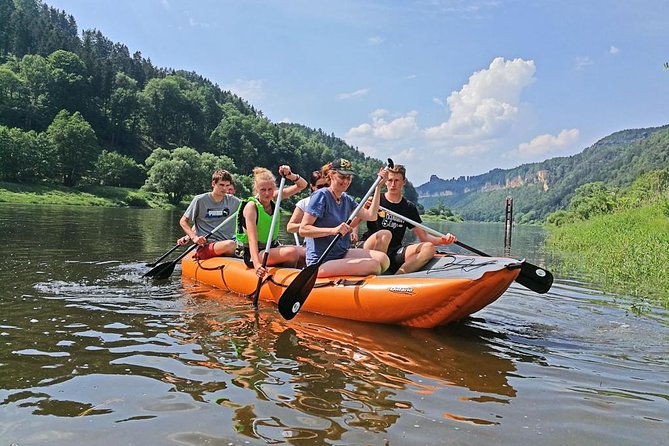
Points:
[136,200]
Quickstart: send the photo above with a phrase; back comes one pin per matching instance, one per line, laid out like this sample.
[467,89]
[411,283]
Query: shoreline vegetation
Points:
[619,237]
[105,196]
[626,251]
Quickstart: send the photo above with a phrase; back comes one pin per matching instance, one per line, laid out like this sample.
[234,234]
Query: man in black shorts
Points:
[386,232]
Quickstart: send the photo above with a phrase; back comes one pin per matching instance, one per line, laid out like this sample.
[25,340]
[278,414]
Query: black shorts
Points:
[397,258]
[246,255]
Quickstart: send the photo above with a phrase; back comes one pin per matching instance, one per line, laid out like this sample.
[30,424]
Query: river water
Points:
[91,353]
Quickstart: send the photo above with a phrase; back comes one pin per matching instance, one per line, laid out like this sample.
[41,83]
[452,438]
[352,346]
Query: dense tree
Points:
[134,108]
[114,169]
[69,82]
[75,146]
[124,112]
[183,171]
[24,156]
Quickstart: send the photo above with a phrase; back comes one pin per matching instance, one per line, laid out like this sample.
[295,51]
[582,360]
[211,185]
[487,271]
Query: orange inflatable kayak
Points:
[447,289]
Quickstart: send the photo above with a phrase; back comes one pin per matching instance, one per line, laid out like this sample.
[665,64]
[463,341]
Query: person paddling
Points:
[326,216]
[254,220]
[386,232]
[205,212]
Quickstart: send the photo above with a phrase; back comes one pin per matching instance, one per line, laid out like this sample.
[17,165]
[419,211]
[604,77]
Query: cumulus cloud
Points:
[482,116]
[488,104]
[382,128]
[614,50]
[545,144]
[353,94]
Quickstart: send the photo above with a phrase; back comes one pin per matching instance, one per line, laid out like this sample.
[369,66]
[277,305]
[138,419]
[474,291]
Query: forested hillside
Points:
[541,188]
[77,108]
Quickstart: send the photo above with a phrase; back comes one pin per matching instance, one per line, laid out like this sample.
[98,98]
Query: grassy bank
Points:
[626,250]
[84,196]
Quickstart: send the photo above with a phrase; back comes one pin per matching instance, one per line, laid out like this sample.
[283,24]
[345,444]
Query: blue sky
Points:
[446,87]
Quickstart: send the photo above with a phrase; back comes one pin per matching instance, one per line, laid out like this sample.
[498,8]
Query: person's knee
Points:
[379,241]
[427,250]
[224,248]
[384,263]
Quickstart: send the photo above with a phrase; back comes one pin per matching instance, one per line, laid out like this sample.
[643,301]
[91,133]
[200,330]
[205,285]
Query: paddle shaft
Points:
[265,256]
[531,276]
[164,270]
[155,262]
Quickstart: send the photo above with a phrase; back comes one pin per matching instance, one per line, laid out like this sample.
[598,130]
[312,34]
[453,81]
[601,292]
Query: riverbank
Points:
[105,196]
[627,250]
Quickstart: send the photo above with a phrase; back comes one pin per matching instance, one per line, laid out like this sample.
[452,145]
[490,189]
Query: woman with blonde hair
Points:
[254,220]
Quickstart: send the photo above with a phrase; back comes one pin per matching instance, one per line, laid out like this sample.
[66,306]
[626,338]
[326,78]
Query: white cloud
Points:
[487,105]
[542,145]
[482,117]
[581,62]
[354,94]
[252,90]
[614,50]
[375,40]
[380,128]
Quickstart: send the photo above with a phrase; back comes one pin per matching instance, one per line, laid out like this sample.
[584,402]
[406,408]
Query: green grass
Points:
[627,250]
[84,196]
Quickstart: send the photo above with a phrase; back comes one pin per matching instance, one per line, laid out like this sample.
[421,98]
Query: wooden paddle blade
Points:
[162,271]
[535,278]
[297,292]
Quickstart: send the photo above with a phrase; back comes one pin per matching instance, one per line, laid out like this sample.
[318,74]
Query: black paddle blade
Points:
[535,278]
[297,292]
[162,271]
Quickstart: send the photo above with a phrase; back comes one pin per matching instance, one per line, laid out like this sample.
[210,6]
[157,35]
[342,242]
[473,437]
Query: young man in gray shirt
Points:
[207,211]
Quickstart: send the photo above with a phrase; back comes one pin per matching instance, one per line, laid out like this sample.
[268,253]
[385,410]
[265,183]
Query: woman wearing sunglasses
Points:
[319,179]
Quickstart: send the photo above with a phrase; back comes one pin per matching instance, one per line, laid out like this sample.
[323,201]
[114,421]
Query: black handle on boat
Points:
[265,256]
[293,297]
[165,270]
[531,276]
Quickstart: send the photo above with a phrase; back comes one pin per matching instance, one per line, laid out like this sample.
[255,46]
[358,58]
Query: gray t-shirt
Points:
[207,214]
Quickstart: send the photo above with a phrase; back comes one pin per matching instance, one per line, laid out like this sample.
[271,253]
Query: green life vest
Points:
[263,223]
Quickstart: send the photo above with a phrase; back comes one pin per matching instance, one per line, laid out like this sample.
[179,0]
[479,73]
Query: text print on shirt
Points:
[217,213]
[390,221]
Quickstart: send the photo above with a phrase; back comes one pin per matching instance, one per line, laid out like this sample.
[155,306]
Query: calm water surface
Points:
[90,353]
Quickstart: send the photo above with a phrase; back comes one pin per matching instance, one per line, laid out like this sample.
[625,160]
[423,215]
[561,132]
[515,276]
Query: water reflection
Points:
[326,376]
